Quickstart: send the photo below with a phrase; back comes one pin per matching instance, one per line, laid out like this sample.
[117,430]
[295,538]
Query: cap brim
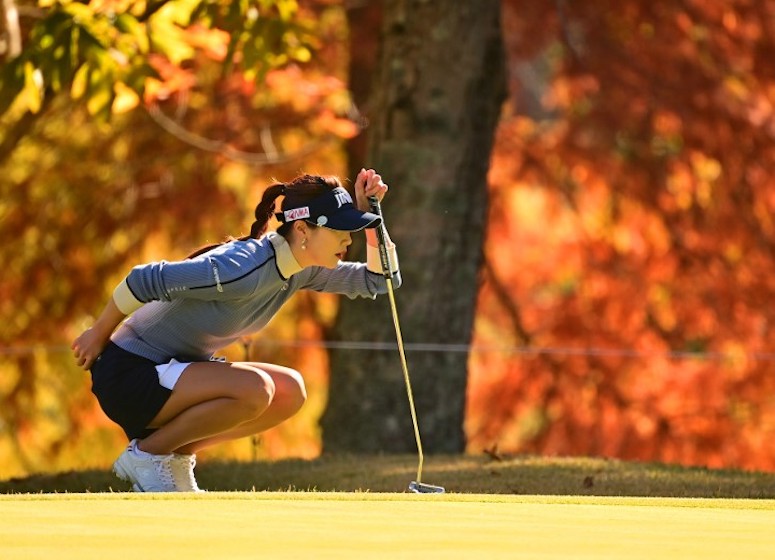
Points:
[352,219]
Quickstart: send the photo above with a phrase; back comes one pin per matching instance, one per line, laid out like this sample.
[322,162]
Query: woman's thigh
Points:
[206,381]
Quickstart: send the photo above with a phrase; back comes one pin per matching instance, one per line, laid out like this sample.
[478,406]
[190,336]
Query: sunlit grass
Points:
[363,525]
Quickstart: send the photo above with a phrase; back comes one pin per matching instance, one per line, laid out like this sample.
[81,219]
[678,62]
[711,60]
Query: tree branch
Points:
[511,307]
[219,147]
[13,47]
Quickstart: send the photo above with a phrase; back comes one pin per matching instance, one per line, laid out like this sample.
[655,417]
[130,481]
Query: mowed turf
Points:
[353,525]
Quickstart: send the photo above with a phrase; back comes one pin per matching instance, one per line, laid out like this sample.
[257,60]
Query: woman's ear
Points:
[300,228]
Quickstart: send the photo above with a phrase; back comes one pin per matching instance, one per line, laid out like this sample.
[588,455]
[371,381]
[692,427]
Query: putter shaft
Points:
[387,271]
[406,378]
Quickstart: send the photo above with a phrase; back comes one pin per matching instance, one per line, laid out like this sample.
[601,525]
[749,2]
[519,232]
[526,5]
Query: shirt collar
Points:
[286,262]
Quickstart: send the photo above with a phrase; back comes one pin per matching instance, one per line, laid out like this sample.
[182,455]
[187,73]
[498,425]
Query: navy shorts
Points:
[128,390]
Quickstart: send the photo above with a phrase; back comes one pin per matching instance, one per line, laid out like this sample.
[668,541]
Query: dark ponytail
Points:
[265,209]
[296,192]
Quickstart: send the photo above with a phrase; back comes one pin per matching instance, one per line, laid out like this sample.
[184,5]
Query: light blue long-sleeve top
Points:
[190,309]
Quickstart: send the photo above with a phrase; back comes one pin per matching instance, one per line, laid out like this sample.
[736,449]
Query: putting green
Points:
[322,525]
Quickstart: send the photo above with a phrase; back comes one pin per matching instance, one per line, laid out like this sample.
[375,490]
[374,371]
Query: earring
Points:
[304,244]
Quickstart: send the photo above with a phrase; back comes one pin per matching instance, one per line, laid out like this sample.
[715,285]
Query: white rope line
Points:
[522,350]
[418,347]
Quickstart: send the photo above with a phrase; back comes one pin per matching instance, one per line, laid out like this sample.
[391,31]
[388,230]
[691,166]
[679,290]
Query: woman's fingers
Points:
[371,183]
[362,179]
[83,356]
[377,189]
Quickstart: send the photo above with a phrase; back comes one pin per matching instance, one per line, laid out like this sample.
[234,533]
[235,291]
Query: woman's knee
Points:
[256,391]
[291,392]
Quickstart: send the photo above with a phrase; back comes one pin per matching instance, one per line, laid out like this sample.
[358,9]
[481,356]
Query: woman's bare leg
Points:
[210,398]
[290,395]
[217,420]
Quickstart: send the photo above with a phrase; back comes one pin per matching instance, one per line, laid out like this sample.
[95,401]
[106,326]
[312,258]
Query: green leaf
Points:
[82,14]
[75,39]
[128,24]
[100,93]
[80,81]
[136,76]
[33,87]
[287,9]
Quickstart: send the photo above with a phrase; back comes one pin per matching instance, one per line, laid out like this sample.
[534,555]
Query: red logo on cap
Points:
[296,214]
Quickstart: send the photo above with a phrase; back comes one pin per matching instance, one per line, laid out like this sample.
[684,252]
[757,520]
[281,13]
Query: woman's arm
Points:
[92,341]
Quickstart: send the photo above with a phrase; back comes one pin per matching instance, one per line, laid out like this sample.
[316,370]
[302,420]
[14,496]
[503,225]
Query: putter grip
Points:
[381,238]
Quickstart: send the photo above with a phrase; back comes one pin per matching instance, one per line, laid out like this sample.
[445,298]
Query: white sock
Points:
[136,450]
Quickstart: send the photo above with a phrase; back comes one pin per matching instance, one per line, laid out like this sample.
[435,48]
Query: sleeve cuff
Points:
[374,263]
[125,300]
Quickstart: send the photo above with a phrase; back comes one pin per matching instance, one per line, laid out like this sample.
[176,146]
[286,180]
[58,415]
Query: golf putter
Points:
[416,486]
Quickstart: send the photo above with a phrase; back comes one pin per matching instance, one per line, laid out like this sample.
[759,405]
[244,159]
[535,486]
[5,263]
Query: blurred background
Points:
[581,193]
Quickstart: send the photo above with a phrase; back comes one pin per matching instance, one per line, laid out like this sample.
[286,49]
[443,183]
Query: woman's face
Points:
[326,247]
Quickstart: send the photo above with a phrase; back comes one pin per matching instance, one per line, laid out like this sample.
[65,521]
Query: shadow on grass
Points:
[464,474]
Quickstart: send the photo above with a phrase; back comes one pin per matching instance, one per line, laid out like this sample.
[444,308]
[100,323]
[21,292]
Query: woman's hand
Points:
[90,344]
[368,183]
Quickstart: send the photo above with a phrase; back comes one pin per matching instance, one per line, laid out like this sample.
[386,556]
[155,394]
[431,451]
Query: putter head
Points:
[421,488]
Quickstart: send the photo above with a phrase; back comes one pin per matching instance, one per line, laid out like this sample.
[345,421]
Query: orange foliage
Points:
[214,43]
[629,255]
[173,79]
[82,203]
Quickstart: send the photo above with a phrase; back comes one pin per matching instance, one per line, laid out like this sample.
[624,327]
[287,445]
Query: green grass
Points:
[362,525]
[459,474]
[357,507]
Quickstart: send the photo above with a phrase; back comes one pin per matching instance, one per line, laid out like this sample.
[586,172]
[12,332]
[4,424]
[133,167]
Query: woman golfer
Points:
[155,375]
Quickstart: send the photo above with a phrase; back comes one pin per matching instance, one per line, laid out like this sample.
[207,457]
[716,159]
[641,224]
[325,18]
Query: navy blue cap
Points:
[334,210]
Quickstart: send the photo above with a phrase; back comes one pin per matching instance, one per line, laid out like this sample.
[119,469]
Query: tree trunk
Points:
[435,102]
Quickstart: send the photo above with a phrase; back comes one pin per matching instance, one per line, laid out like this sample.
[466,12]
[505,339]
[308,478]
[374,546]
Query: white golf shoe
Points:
[183,472]
[146,472]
